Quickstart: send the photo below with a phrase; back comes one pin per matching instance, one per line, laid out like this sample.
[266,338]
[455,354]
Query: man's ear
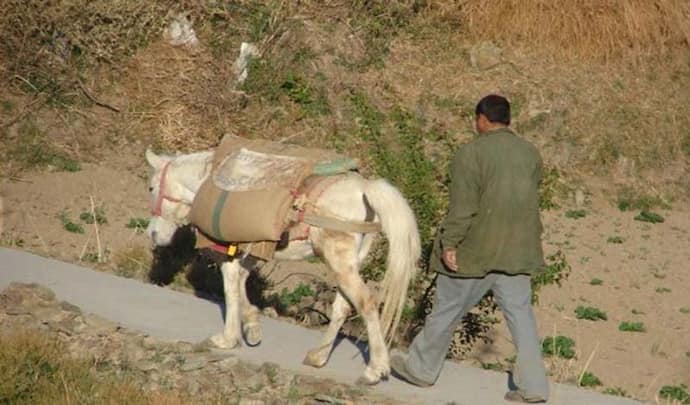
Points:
[154,160]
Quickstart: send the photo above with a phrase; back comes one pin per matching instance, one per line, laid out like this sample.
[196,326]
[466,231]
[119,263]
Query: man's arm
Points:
[464,200]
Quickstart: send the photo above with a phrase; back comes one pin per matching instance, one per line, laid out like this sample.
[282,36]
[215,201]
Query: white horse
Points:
[177,179]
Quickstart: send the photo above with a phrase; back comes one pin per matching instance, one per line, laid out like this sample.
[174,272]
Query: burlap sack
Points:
[248,196]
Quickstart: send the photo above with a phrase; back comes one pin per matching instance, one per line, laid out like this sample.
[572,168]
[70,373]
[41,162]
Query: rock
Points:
[331,400]
[270,312]
[579,197]
[66,306]
[249,401]
[193,363]
[146,365]
[485,55]
[98,325]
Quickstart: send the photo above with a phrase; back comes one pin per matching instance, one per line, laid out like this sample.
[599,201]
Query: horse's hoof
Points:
[315,358]
[252,334]
[222,342]
[365,381]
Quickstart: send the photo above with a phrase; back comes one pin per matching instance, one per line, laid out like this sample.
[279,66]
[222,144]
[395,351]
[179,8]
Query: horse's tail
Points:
[400,227]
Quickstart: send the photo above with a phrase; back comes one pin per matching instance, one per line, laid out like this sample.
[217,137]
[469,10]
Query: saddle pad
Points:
[246,170]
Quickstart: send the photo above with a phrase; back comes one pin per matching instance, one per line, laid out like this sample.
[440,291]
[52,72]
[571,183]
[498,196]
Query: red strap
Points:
[158,206]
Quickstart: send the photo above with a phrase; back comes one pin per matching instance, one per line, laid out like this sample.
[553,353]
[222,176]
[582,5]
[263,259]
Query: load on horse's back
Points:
[249,194]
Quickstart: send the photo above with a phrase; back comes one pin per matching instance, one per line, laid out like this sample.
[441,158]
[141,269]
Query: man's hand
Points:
[449,260]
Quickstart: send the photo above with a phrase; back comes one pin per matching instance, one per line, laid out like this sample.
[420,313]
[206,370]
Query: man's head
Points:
[492,112]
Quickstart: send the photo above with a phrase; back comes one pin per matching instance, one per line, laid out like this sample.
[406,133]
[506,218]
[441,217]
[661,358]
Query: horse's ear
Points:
[154,160]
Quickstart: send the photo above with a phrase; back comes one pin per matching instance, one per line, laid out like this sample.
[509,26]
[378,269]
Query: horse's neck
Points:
[194,169]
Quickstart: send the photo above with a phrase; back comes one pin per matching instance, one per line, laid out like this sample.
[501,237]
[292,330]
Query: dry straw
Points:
[576,29]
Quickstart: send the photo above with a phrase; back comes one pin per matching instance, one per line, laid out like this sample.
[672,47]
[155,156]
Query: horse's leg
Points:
[318,357]
[231,335]
[340,252]
[250,313]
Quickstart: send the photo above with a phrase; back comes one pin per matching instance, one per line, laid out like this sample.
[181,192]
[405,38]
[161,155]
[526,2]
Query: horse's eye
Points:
[150,189]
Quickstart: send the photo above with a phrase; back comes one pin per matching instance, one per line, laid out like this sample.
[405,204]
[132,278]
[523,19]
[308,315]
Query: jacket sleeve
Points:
[464,198]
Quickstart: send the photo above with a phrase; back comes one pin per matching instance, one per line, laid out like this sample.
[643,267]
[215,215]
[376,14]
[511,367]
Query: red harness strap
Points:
[158,206]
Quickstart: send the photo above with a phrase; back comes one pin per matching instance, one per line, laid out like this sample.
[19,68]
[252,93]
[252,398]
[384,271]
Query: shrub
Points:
[590,313]
[632,327]
[675,392]
[589,380]
[559,346]
[648,216]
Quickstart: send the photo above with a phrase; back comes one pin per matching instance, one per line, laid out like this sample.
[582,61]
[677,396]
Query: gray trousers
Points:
[454,298]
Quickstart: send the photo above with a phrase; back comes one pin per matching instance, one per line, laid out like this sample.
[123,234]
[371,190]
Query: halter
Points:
[158,206]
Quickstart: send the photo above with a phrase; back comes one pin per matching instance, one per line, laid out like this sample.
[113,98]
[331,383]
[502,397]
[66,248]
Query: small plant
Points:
[596,281]
[635,311]
[615,239]
[68,225]
[548,189]
[631,327]
[556,271]
[675,392]
[662,290]
[589,380]
[288,298]
[35,150]
[684,310]
[631,200]
[140,224]
[575,214]
[617,391]
[97,216]
[560,346]
[648,216]
[590,313]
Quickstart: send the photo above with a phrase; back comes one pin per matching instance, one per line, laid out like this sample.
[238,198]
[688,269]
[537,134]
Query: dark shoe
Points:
[400,369]
[517,396]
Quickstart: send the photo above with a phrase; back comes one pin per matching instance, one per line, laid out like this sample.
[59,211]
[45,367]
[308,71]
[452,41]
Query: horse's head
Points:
[171,198]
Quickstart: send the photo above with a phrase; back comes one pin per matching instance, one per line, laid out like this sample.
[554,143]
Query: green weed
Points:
[301,92]
[631,327]
[549,189]
[33,150]
[675,392]
[289,298]
[630,200]
[617,391]
[589,380]
[590,313]
[68,225]
[662,290]
[648,216]
[556,271]
[615,239]
[575,214]
[596,281]
[636,312]
[684,310]
[97,216]
[140,224]
[560,346]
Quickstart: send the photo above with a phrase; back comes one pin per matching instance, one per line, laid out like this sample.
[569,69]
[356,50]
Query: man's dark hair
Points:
[495,108]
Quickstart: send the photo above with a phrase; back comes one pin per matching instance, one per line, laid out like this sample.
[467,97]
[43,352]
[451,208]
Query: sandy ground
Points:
[643,279]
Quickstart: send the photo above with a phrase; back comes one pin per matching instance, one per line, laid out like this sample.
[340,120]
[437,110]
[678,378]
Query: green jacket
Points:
[493,217]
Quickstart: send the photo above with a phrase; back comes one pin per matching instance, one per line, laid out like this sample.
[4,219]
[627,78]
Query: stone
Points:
[270,312]
[193,363]
[485,55]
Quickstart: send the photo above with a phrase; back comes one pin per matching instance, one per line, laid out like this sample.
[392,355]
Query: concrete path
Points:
[172,315]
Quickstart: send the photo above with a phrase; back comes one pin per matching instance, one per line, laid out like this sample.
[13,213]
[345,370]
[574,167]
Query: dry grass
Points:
[37,370]
[576,29]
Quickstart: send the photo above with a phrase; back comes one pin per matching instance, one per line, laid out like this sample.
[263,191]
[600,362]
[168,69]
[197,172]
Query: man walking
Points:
[490,240]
